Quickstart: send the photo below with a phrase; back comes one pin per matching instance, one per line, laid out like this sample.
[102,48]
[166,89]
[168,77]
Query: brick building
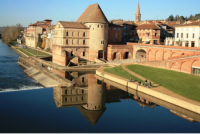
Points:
[114,33]
[86,38]
[149,33]
[34,32]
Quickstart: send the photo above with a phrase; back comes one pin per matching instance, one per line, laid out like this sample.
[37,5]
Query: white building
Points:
[187,35]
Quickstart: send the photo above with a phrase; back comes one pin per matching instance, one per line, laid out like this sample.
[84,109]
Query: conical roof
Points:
[93,14]
[92,116]
[138,9]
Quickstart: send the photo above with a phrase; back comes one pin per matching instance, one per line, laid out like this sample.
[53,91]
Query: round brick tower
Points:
[94,18]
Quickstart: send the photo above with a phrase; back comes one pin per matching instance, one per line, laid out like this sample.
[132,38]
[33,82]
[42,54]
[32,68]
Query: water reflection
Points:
[91,93]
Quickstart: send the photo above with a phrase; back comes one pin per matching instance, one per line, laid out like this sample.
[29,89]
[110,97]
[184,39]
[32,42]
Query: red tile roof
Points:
[93,14]
[67,24]
[190,24]
[148,26]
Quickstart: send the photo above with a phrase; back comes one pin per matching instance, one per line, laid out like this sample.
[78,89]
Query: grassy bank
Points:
[119,71]
[186,85]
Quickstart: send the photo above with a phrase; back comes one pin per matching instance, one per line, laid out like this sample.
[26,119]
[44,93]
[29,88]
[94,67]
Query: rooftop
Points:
[67,24]
[93,14]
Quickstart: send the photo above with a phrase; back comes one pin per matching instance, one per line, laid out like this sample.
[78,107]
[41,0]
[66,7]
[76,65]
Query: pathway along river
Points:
[97,107]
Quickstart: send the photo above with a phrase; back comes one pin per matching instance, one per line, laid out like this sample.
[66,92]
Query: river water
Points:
[92,106]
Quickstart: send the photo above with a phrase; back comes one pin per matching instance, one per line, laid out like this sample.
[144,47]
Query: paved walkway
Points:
[157,88]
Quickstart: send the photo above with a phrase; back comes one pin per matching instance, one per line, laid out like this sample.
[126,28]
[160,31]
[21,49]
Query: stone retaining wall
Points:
[175,101]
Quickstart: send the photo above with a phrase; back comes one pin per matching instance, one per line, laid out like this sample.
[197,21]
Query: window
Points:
[155,34]
[72,33]
[118,28]
[181,35]
[83,34]
[177,35]
[124,26]
[97,26]
[82,79]
[72,41]
[193,29]
[187,35]
[102,41]
[114,28]
[116,35]
[124,33]
[65,91]
[187,29]
[66,33]
[83,53]
[181,29]
[193,36]
[101,26]
[77,41]
[110,28]
[65,99]
[82,91]
[66,41]
[78,33]
[83,41]
[71,53]
[105,26]
[90,26]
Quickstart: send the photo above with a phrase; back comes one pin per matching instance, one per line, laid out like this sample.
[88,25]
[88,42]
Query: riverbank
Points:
[158,92]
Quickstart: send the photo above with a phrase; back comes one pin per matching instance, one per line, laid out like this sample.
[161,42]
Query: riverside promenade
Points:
[157,91]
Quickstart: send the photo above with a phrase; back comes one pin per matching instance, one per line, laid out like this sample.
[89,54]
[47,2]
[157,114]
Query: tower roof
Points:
[92,116]
[93,13]
[138,9]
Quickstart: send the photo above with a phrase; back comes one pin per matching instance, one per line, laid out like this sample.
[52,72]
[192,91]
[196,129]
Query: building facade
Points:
[187,35]
[34,32]
[86,38]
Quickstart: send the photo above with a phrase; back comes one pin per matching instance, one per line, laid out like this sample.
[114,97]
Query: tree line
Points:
[11,33]
[182,18]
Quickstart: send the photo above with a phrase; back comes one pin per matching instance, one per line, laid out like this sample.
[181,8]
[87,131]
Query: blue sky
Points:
[30,11]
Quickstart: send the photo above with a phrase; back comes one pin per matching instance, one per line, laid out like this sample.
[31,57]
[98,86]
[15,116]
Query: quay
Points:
[159,92]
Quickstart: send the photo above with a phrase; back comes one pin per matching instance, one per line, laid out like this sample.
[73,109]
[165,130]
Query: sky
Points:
[25,12]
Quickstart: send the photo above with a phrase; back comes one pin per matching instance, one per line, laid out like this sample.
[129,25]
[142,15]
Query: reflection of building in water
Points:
[89,95]
[66,97]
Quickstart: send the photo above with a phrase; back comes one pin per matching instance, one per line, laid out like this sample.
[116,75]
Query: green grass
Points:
[118,70]
[28,54]
[35,52]
[186,85]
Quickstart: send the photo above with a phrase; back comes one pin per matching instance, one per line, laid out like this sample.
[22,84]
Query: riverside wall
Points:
[167,98]
[31,62]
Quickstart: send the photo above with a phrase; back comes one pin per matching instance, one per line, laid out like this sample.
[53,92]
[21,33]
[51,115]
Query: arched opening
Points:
[158,55]
[114,55]
[166,56]
[195,68]
[100,54]
[174,66]
[173,54]
[126,54]
[184,67]
[141,54]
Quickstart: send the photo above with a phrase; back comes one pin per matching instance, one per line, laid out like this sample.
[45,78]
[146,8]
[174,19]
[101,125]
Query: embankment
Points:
[181,103]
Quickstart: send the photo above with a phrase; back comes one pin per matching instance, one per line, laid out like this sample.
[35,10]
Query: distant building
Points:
[137,14]
[114,33]
[34,32]
[149,33]
[187,35]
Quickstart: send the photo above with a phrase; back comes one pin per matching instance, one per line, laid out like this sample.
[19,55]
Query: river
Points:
[92,105]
